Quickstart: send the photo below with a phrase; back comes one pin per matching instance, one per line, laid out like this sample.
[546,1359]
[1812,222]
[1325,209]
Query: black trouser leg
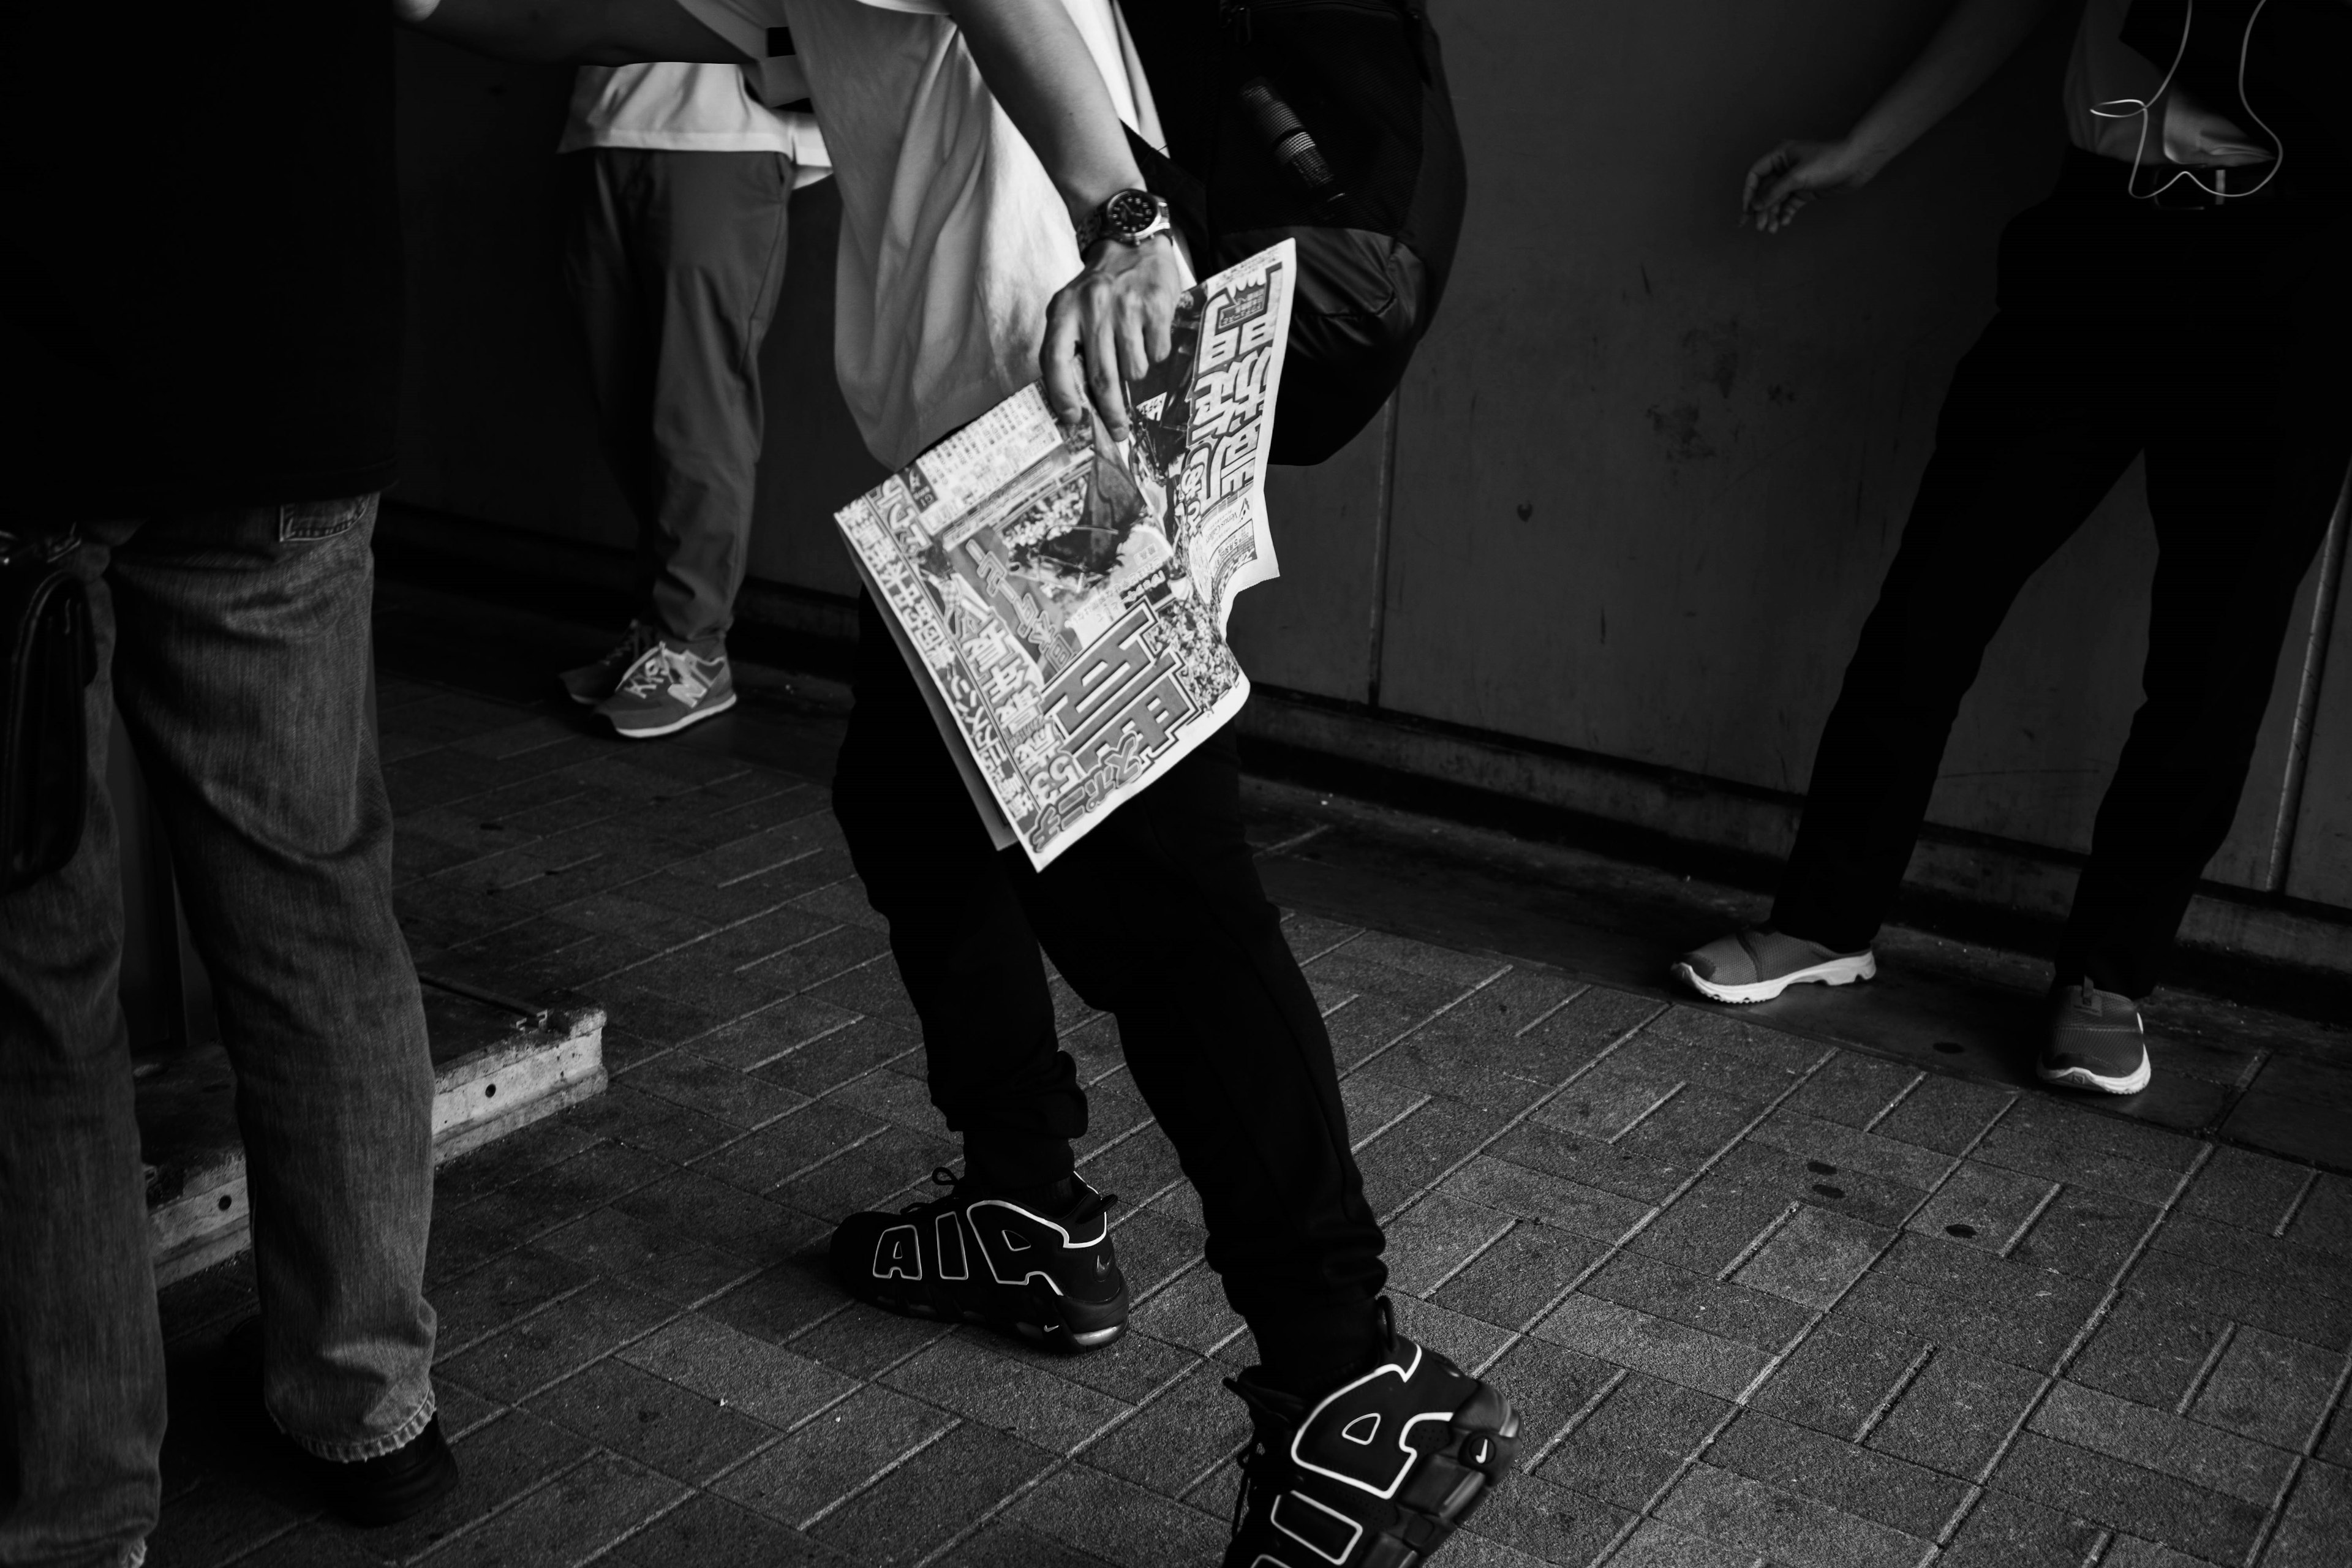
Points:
[603,276]
[2219,614]
[2241,490]
[2215,340]
[2021,458]
[958,929]
[1157,917]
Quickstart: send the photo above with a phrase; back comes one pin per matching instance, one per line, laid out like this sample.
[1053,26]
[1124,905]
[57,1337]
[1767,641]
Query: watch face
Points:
[1131,212]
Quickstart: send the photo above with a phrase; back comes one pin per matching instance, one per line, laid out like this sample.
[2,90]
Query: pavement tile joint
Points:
[1759,1301]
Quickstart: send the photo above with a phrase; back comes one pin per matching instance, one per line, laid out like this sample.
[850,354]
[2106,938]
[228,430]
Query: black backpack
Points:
[1327,122]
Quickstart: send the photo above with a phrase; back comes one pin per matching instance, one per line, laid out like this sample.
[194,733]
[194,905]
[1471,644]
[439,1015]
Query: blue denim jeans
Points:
[237,645]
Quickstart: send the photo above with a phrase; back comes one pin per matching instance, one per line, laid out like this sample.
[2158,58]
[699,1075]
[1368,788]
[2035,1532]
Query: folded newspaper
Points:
[1062,600]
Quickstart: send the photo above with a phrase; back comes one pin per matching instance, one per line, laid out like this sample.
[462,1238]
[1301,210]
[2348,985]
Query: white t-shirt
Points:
[2107,84]
[679,107]
[953,236]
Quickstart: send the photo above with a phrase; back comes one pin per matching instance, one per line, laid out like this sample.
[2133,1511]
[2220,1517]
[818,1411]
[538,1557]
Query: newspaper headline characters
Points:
[1063,599]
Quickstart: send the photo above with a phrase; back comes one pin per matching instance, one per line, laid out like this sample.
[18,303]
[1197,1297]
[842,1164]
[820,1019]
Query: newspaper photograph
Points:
[1062,599]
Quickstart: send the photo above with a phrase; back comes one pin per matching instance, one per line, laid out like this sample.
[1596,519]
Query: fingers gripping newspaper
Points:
[1062,600]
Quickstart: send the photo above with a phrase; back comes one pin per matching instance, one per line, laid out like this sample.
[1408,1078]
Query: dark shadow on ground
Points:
[2270,1080]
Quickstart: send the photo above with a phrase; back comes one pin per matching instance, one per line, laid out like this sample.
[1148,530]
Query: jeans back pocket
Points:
[323,519]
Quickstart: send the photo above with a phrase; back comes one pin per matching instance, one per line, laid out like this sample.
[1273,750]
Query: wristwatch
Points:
[1129,217]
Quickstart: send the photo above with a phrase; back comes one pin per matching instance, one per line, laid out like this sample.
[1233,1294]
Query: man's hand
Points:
[1112,323]
[1971,43]
[1115,315]
[1785,180]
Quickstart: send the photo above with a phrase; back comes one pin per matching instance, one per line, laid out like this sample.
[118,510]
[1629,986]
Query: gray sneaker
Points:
[2096,1041]
[1757,964]
[668,688]
[592,683]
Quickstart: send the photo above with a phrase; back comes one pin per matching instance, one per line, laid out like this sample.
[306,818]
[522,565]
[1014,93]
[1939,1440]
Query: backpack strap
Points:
[1187,199]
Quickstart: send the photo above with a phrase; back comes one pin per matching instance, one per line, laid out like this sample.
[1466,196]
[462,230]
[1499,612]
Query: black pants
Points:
[2212,339]
[1157,918]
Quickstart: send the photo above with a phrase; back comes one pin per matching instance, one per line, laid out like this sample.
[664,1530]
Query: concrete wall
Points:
[1637,493]
[1648,470]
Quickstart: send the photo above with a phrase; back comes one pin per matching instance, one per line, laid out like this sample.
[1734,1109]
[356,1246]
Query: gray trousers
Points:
[675,262]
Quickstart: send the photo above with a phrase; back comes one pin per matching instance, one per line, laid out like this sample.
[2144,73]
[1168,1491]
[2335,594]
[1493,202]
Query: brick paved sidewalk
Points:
[1758,1300]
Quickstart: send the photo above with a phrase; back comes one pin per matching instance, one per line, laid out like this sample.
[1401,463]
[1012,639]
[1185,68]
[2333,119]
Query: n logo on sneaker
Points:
[899,1254]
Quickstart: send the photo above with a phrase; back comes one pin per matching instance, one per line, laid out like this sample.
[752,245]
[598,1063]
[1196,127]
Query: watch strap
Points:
[1098,223]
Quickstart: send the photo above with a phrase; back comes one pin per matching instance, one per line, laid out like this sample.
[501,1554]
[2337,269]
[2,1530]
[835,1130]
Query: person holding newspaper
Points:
[981,151]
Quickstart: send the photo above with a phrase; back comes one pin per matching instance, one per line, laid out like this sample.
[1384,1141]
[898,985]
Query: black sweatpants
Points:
[2215,342]
[1156,916]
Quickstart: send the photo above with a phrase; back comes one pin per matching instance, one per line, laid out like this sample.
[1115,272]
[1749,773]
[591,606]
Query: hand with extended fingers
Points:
[1791,176]
[1110,324]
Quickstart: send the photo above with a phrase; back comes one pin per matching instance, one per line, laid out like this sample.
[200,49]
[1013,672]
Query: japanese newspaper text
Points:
[1061,599]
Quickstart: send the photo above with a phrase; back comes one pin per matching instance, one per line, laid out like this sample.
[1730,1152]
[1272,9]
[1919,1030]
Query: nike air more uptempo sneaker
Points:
[980,1257]
[2096,1041]
[1378,1473]
[1756,966]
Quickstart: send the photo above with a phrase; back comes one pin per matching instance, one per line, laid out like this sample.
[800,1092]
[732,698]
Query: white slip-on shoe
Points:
[2096,1041]
[1757,965]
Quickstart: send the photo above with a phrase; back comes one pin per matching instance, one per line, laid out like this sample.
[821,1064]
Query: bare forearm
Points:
[1972,42]
[579,32]
[1034,60]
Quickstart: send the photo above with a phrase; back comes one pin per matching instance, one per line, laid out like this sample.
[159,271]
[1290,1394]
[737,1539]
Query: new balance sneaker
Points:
[1378,1473]
[1757,964]
[592,683]
[668,688]
[980,1258]
[2096,1041]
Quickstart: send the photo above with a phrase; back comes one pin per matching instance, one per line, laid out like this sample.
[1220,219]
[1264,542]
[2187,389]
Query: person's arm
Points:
[576,32]
[1116,316]
[1972,44]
